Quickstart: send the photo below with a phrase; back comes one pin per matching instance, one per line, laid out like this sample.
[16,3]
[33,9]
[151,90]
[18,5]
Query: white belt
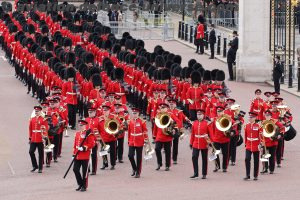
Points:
[37,131]
[256,110]
[72,93]
[252,139]
[136,134]
[201,136]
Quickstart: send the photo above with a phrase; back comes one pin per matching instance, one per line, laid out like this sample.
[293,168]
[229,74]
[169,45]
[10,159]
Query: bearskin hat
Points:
[169,64]
[94,70]
[71,72]
[159,61]
[140,43]
[96,79]
[165,74]
[125,35]
[151,71]
[177,59]
[107,44]
[67,42]
[177,71]
[89,58]
[63,72]
[214,74]
[44,29]
[142,61]
[220,75]
[197,66]
[129,44]
[196,77]
[206,75]
[119,73]
[116,48]
[70,58]
[49,46]
[47,56]
[188,72]
[31,29]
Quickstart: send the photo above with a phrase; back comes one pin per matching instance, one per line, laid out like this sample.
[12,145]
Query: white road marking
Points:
[11,168]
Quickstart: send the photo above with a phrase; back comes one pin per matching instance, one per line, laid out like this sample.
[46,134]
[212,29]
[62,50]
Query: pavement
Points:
[17,182]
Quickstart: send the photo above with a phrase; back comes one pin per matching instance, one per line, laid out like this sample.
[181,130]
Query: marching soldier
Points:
[93,124]
[272,143]
[252,141]
[164,139]
[198,142]
[257,105]
[137,136]
[38,128]
[83,143]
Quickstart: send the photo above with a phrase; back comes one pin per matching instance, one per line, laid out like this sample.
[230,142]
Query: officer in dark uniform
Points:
[277,74]
[212,41]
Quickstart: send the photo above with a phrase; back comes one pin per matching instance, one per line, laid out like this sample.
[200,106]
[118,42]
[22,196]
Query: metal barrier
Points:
[186,32]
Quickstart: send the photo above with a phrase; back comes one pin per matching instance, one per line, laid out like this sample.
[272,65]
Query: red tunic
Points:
[35,129]
[200,131]
[137,132]
[252,136]
[88,144]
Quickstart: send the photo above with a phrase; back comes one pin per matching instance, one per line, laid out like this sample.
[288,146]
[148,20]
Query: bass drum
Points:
[290,133]
[240,141]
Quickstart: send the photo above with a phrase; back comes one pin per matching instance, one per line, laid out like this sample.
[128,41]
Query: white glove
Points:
[80,148]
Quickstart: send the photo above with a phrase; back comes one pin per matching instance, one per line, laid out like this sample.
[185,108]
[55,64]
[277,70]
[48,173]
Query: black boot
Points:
[247,178]
[33,170]
[104,166]
[133,173]
[194,176]
[79,188]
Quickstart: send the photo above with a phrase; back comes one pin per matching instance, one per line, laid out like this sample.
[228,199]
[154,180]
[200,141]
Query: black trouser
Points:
[72,115]
[248,162]
[81,179]
[94,156]
[60,138]
[120,148]
[195,157]
[145,105]
[40,147]
[49,155]
[271,163]
[56,146]
[85,110]
[175,148]
[200,46]
[167,148]
[212,49]
[230,70]
[140,102]
[279,151]
[112,153]
[136,165]
[277,84]
[193,115]
[225,150]
[232,151]
[80,108]
[29,83]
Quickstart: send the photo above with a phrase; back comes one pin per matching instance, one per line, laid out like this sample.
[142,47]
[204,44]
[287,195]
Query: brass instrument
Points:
[266,155]
[49,147]
[236,108]
[269,128]
[148,150]
[112,126]
[162,120]
[282,110]
[214,152]
[223,123]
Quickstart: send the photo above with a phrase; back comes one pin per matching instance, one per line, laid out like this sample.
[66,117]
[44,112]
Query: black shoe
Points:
[104,166]
[279,166]
[40,171]
[230,79]
[271,172]
[83,189]
[247,178]
[133,173]
[79,188]
[28,92]
[264,172]
[233,164]
[55,161]
[211,58]
[203,177]
[48,165]
[112,168]
[93,173]
[255,178]
[216,170]
[175,162]
[73,128]
[224,170]
[137,175]
[194,176]
[33,170]
[158,167]
[167,169]
[121,161]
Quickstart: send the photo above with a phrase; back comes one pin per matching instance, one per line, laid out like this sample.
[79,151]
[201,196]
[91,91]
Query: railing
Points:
[186,32]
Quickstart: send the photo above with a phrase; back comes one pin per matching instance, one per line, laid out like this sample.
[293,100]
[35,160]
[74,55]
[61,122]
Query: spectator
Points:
[277,73]
[212,41]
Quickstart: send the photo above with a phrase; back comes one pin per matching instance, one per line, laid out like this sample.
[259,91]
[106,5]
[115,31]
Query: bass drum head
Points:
[240,141]
[290,134]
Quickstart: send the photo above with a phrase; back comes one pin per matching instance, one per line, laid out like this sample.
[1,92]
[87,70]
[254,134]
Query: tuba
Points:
[162,120]
[282,110]
[223,123]
[269,128]
[112,126]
